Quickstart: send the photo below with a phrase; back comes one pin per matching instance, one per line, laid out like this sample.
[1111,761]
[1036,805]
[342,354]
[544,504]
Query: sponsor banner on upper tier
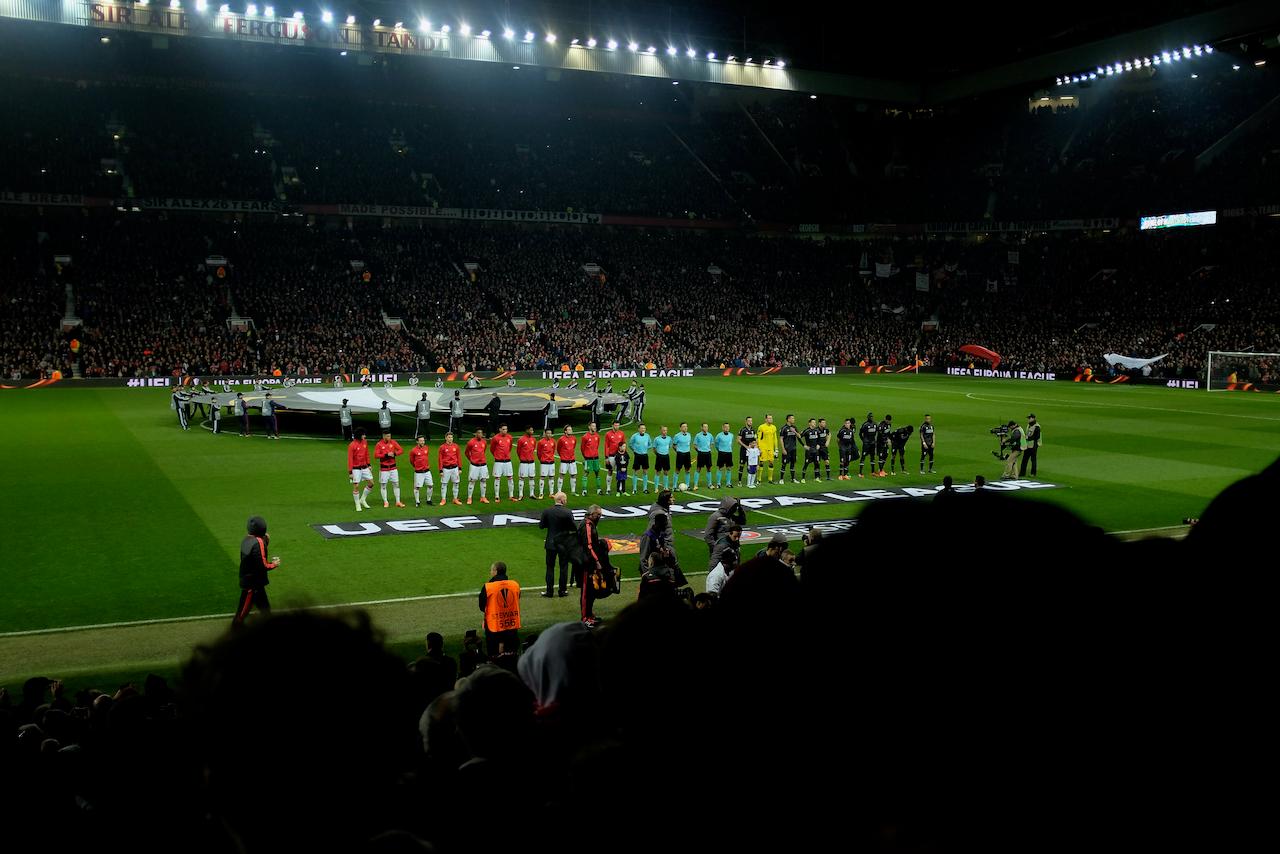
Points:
[519,517]
[208,205]
[479,214]
[988,227]
[56,199]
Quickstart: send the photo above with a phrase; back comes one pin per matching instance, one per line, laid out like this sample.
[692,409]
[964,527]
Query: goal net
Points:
[1242,371]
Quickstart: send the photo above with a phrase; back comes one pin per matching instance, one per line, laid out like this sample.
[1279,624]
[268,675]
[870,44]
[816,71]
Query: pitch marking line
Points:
[227,616]
[1069,404]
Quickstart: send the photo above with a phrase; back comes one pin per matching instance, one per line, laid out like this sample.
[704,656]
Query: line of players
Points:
[548,462]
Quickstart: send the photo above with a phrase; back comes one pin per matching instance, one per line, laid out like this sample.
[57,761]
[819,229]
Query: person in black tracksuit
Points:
[790,435]
[926,443]
[253,570]
[812,444]
[1033,447]
[867,433]
[898,451]
[847,441]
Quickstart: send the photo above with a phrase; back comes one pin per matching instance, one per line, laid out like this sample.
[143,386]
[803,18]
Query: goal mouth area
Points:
[1242,372]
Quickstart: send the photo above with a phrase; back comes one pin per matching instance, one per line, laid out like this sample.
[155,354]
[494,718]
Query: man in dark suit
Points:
[558,520]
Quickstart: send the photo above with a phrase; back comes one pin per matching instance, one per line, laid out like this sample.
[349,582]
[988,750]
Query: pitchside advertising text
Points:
[439,524]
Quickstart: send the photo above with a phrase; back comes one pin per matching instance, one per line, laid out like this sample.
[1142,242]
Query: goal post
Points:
[1227,371]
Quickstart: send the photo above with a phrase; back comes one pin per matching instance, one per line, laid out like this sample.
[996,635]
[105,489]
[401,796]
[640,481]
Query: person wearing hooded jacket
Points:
[253,570]
[729,513]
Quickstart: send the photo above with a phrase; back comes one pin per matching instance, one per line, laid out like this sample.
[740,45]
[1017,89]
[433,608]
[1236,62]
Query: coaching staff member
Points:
[1033,447]
[558,521]
[253,570]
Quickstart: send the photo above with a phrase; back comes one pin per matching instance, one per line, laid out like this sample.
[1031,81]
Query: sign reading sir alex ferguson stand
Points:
[516,519]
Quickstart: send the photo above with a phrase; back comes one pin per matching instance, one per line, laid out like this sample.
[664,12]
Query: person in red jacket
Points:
[526,448]
[500,446]
[386,452]
[358,470]
[450,459]
[546,462]
[567,448]
[479,470]
[420,459]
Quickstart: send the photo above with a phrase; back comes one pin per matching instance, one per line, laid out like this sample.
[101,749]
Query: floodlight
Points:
[446,29]
[325,16]
[528,36]
[691,53]
[297,16]
[781,64]
[711,56]
[612,44]
[465,29]
[269,11]
[551,38]
[351,19]
[175,4]
[202,5]
[591,42]
[508,33]
[671,51]
[633,47]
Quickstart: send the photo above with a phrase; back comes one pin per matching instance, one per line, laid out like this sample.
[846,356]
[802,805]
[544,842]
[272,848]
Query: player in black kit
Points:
[868,435]
[884,432]
[926,443]
[812,442]
[898,449]
[790,435]
[846,440]
[824,452]
[746,436]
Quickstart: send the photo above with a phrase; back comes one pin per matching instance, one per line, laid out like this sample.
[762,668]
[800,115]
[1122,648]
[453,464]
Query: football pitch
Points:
[117,519]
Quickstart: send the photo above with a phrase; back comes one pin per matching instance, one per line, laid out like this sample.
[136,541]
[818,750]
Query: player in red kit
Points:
[613,440]
[450,459]
[479,469]
[546,462]
[591,457]
[526,447]
[358,470]
[567,448]
[420,459]
[386,452]
[500,447]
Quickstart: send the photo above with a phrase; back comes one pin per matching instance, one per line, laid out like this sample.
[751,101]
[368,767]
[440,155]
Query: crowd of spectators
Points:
[942,709]
[629,148]
[499,297]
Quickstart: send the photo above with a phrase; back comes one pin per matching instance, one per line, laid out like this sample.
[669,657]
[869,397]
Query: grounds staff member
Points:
[1033,447]
[254,569]
[500,603]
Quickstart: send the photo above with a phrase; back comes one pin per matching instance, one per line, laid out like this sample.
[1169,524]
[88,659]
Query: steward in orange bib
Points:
[500,602]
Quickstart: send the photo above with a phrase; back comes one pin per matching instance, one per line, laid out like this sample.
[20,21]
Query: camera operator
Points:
[1013,442]
[1033,446]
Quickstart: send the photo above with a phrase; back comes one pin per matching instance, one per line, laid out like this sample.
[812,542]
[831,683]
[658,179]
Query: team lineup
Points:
[548,463]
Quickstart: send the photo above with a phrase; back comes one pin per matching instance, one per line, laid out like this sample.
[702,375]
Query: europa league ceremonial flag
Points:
[1131,363]
[982,353]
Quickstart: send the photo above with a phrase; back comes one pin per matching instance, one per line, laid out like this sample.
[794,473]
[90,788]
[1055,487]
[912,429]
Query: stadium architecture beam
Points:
[1230,22]
[259,23]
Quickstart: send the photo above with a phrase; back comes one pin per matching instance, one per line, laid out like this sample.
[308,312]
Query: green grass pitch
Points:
[113,514]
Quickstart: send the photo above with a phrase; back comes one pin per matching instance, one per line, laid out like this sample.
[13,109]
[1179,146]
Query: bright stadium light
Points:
[351,19]
[297,16]
[1197,50]
[1146,63]
[813,97]
[691,53]
[633,47]
[202,5]
[465,29]
[731,58]
[591,42]
[747,61]
[671,50]
[1235,68]
[651,50]
[399,25]
[377,22]
[484,34]
[573,41]
[1177,57]
[551,38]
[446,29]
[1093,76]
[423,24]
[780,64]
[326,16]
[1208,48]
[269,12]
[508,33]
[1128,66]
[612,44]
[1186,53]
[711,56]
[224,8]
[175,4]
[1110,71]
[528,36]
[251,9]
[1195,76]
